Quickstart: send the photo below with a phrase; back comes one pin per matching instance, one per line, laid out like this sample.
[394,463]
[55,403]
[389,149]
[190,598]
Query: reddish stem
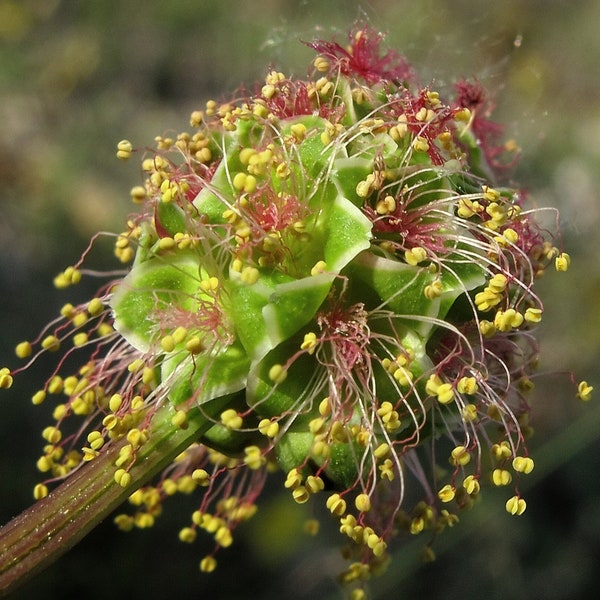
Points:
[45,531]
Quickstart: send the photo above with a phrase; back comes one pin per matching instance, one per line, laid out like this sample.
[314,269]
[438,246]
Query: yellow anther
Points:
[445,393]
[293,479]
[6,379]
[298,131]
[135,365]
[95,440]
[208,564]
[239,181]
[523,464]
[79,319]
[508,319]
[179,334]
[268,90]
[363,502]
[382,451]
[277,373]
[310,342]
[23,350]
[501,451]
[314,484]
[196,118]
[325,407]
[51,343]
[209,285]
[104,329]
[136,438]
[38,397]
[510,235]
[254,458]
[187,535]
[584,391]
[122,477]
[283,171]
[249,275]
[533,315]
[498,283]
[231,419]
[319,267]
[386,206]
[124,149]
[79,339]
[44,464]
[501,477]
[490,194]
[416,526]
[463,115]
[434,290]
[317,425]
[268,428]
[516,505]
[387,470]
[367,186]
[469,412]
[336,505]
[416,255]
[167,343]
[468,208]
[300,494]
[420,144]
[89,454]
[447,493]
[115,402]
[321,64]
[562,262]
[487,328]
[40,491]
[55,385]
[186,484]
[223,537]
[167,243]
[487,299]
[148,375]
[95,307]
[201,477]
[471,485]
[138,194]
[52,434]
[194,345]
[467,385]
[460,456]
[180,419]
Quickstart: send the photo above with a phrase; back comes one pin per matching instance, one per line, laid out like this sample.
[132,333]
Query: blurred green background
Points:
[76,76]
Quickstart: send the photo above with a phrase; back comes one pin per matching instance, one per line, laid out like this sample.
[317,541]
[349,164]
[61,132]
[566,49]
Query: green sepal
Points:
[296,393]
[267,313]
[313,154]
[151,286]
[402,287]
[233,442]
[170,218]
[205,376]
[347,173]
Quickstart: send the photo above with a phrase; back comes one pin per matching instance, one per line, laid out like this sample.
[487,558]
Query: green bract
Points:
[277,268]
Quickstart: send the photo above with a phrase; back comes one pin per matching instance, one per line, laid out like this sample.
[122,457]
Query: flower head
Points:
[323,277]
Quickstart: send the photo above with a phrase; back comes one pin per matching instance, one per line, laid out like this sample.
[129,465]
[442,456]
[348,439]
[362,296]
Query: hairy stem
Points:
[45,531]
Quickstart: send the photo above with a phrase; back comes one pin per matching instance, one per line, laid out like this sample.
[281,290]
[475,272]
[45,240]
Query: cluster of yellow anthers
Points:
[309,272]
[219,522]
[500,475]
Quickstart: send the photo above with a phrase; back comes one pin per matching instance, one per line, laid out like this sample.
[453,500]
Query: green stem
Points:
[44,532]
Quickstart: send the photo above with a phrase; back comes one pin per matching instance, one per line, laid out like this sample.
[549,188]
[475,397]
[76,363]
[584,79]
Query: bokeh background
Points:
[76,76]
